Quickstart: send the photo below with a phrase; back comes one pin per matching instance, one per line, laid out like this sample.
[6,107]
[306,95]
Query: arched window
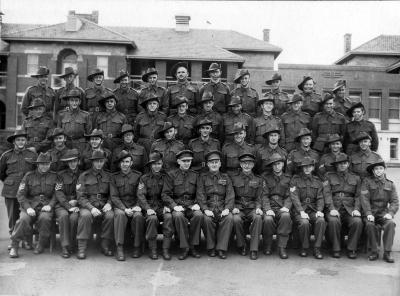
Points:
[67,58]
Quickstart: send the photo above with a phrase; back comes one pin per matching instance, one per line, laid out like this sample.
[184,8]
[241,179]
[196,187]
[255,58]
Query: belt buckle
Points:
[341,194]
[97,109]
[276,197]
[110,135]
[98,196]
[203,164]
[307,200]
[41,196]
[35,139]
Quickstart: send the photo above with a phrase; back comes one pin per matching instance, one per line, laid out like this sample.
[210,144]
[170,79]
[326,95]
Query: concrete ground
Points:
[49,274]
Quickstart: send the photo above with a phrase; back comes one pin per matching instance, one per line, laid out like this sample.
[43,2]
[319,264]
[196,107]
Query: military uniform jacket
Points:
[221,95]
[325,124]
[249,98]
[94,188]
[280,101]
[231,153]
[180,188]
[230,119]
[184,125]
[61,93]
[149,191]
[123,194]
[343,191]
[37,190]
[306,193]
[325,164]
[146,125]
[157,90]
[13,166]
[75,123]
[342,105]
[55,154]
[217,123]
[110,123]
[138,154]
[250,190]
[186,89]
[86,154]
[311,103]
[278,194]
[296,156]
[127,102]
[262,123]
[215,192]
[263,155]
[92,97]
[66,187]
[293,122]
[47,94]
[201,148]
[379,197]
[353,128]
[169,149]
[361,159]
[37,128]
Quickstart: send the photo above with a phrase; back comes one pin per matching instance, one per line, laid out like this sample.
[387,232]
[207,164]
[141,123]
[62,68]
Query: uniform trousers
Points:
[23,226]
[187,234]
[136,224]
[12,206]
[281,224]
[68,226]
[372,231]
[86,219]
[247,215]
[217,230]
[152,223]
[304,227]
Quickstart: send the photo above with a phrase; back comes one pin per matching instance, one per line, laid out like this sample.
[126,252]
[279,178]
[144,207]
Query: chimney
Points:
[347,42]
[73,22]
[266,35]
[95,16]
[182,23]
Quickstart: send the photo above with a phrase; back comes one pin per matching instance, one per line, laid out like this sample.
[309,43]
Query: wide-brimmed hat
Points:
[71,154]
[184,154]
[306,161]
[37,102]
[56,132]
[176,66]
[333,138]
[149,71]
[271,129]
[203,122]
[19,132]
[167,125]
[338,84]
[235,100]
[213,155]
[327,96]
[213,67]
[275,157]
[68,71]
[274,77]
[73,93]
[247,157]
[154,157]
[107,96]
[237,128]
[42,158]
[239,74]
[361,136]
[303,132]
[207,96]
[295,98]
[95,133]
[265,98]
[180,100]
[351,109]
[149,98]
[341,157]
[122,155]
[122,74]
[94,73]
[126,128]
[42,71]
[98,154]
[305,79]
[376,163]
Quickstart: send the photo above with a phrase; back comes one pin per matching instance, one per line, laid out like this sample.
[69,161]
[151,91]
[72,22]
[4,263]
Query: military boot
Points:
[105,247]
[14,249]
[39,249]
[388,257]
[153,249]
[82,245]
[166,255]
[120,253]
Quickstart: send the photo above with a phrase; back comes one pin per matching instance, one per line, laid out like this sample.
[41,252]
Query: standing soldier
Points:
[311,100]
[37,200]
[149,195]
[59,149]
[126,206]
[216,198]
[67,209]
[182,87]
[219,90]
[75,122]
[380,203]
[151,89]
[126,96]
[344,206]
[306,193]
[357,125]
[341,103]
[179,195]
[42,91]
[247,95]
[293,121]
[249,190]
[207,112]
[182,121]
[277,205]
[280,97]
[93,190]
[95,143]
[202,145]
[326,162]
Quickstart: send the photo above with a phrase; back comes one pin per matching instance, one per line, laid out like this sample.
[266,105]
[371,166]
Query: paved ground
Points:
[49,274]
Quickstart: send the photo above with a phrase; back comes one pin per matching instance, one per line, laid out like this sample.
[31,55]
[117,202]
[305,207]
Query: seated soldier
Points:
[182,121]
[95,143]
[207,112]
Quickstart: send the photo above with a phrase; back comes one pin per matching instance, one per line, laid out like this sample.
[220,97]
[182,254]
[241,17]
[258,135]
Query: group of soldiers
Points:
[183,160]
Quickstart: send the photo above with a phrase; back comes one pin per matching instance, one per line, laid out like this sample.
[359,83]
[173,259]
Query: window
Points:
[3,71]
[32,63]
[206,65]
[394,106]
[355,96]
[139,67]
[375,105]
[394,147]
[170,64]
[19,117]
[102,63]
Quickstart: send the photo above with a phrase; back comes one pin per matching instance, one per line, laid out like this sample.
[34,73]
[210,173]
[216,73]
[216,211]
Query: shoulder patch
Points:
[141,185]
[21,186]
[78,186]
[293,189]
[326,183]
[58,186]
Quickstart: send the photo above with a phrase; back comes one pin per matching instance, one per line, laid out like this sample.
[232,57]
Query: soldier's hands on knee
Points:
[74,210]
[304,215]
[235,211]
[179,209]
[46,208]
[106,208]
[129,212]
[259,211]
[136,209]
[370,218]
[31,212]
[95,212]
[195,207]
[270,213]
[356,213]
[334,213]
[73,202]
[166,210]
[209,213]
[225,212]
[388,216]
[319,214]
[150,212]
[284,209]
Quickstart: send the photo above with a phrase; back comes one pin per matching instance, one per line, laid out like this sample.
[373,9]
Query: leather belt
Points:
[343,194]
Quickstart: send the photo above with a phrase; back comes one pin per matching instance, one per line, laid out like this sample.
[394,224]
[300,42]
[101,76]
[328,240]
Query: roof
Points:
[394,68]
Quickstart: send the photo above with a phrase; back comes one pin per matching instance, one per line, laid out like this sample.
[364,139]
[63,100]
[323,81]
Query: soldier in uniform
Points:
[67,209]
[296,156]
[37,125]
[152,88]
[110,121]
[59,149]
[182,121]
[127,97]
[277,205]
[357,125]
[137,152]
[380,203]
[341,103]
[126,206]
[250,190]
[61,100]
[202,145]
[179,195]
[36,197]
[93,190]
[75,122]
[168,145]
[311,100]
[326,123]
[95,143]
[280,97]
[42,91]
[232,150]
[219,90]
[306,193]
[207,112]
[248,95]
[216,198]
[148,122]
[362,158]
[343,206]
[326,162]
[182,87]
[149,196]
[293,121]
